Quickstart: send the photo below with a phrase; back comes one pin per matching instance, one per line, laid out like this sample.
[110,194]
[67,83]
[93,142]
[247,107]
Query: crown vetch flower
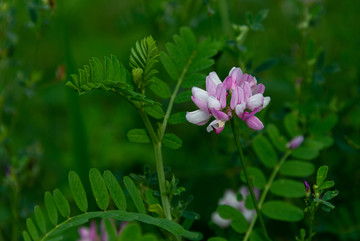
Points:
[246,99]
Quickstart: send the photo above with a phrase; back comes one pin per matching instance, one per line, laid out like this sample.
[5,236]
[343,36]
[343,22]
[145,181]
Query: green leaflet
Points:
[115,190]
[51,208]
[78,192]
[305,153]
[264,151]
[183,97]
[321,175]
[238,223]
[177,118]
[258,176]
[26,236]
[134,194]
[32,229]
[110,230]
[258,235]
[160,88]
[297,168]
[39,217]
[138,136]
[278,141]
[172,141]
[155,111]
[99,188]
[291,124]
[282,211]
[288,188]
[61,203]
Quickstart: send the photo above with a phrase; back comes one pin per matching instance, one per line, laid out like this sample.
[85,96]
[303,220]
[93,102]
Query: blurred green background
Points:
[56,131]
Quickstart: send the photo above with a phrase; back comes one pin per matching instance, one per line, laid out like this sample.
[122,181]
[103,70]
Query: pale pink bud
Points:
[295,142]
[254,123]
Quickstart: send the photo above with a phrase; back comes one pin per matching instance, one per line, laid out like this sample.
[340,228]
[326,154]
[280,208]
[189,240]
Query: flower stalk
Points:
[249,182]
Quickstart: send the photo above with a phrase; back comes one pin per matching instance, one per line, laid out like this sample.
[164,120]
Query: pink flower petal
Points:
[201,104]
[258,89]
[212,81]
[219,115]
[213,103]
[247,92]
[254,123]
[221,95]
[200,94]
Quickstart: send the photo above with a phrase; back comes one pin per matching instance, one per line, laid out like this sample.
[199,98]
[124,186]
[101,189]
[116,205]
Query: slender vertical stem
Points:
[265,192]
[159,165]
[248,180]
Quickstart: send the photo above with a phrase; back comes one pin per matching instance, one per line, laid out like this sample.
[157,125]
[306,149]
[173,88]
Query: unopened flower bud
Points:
[295,142]
[307,188]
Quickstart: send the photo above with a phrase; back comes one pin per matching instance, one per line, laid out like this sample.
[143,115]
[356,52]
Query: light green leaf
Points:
[99,188]
[138,136]
[291,124]
[26,236]
[264,151]
[305,153]
[115,190]
[32,229]
[297,169]
[172,141]
[155,111]
[258,176]
[77,190]
[96,70]
[278,141]
[183,97]
[327,185]
[131,231]
[51,208]
[330,195]
[282,211]
[134,194]
[288,188]
[239,223]
[39,217]
[160,88]
[61,203]
[321,175]
[177,118]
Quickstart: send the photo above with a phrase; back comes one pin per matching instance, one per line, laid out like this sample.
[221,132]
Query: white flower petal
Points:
[255,101]
[213,103]
[214,78]
[200,94]
[197,117]
[239,109]
[266,101]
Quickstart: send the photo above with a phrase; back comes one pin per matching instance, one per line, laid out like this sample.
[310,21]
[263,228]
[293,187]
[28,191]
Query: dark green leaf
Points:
[172,141]
[183,97]
[297,169]
[264,151]
[110,230]
[155,111]
[61,203]
[169,65]
[77,190]
[39,217]
[115,190]
[134,194]
[138,136]
[160,88]
[216,239]
[175,54]
[321,175]
[258,176]
[278,141]
[258,235]
[200,64]
[282,211]
[189,37]
[96,70]
[262,14]
[51,208]
[32,229]
[177,118]
[191,80]
[288,188]
[99,188]
[131,231]
[239,223]
[305,153]
[269,63]
[291,124]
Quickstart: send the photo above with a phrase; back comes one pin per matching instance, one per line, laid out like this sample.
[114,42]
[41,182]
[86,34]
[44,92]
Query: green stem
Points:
[265,192]
[159,165]
[248,180]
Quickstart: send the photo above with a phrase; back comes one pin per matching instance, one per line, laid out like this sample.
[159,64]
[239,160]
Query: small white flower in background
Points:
[230,198]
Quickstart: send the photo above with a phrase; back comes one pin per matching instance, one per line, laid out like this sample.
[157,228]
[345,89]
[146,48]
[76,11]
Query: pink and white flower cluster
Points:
[239,94]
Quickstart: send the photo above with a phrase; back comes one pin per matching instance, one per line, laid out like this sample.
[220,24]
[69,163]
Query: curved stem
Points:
[265,192]
[248,180]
